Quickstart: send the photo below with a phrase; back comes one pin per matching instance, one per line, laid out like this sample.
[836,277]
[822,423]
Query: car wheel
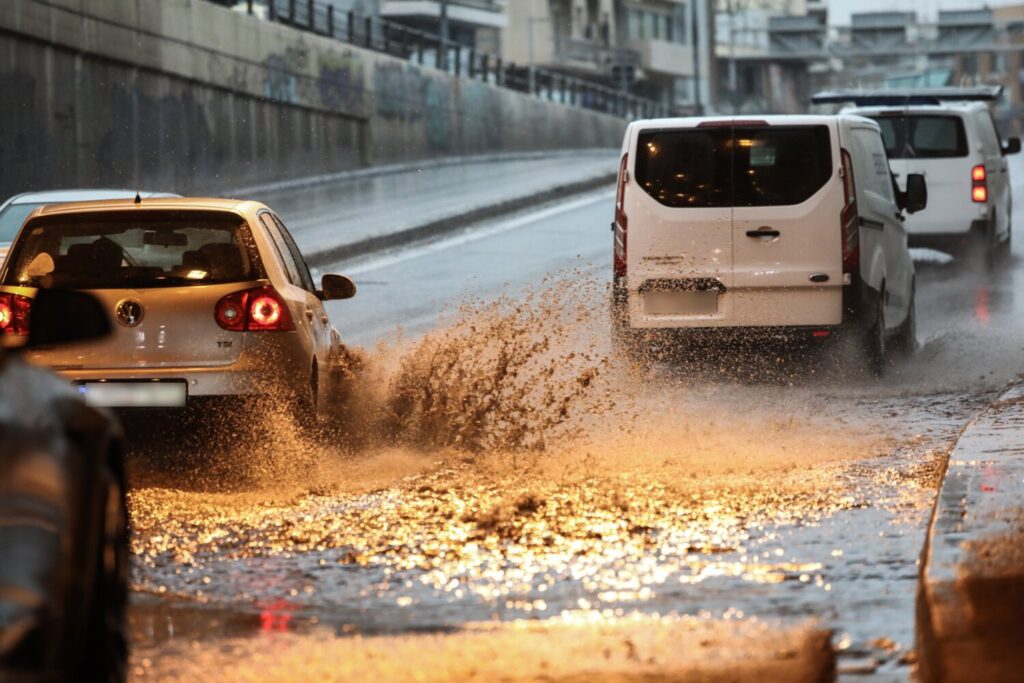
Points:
[106,648]
[876,342]
[305,405]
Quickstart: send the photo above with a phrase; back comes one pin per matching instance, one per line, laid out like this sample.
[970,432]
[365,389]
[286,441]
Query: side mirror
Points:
[333,287]
[64,316]
[916,197]
[1011,146]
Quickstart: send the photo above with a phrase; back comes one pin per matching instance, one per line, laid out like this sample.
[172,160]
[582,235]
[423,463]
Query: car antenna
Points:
[138,197]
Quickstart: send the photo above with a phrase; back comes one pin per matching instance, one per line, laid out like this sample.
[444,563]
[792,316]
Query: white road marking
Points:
[473,234]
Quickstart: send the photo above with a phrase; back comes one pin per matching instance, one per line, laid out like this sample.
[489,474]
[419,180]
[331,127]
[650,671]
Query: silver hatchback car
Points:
[211,299]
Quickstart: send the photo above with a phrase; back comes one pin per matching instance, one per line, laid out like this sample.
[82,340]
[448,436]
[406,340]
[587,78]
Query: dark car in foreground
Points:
[63,515]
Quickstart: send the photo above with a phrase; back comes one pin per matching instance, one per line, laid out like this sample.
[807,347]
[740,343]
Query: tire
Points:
[905,340]
[626,342]
[876,343]
[106,651]
[305,406]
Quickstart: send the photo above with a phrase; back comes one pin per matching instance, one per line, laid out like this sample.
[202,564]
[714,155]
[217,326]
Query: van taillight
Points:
[979,184]
[14,311]
[254,310]
[621,221]
[849,219]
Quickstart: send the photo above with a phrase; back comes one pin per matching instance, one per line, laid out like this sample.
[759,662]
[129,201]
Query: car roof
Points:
[81,195]
[156,203]
[942,108]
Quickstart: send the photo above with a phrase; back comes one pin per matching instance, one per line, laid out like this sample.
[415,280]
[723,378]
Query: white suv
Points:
[947,135]
[783,226]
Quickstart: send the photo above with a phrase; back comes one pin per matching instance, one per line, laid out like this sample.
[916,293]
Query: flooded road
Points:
[507,467]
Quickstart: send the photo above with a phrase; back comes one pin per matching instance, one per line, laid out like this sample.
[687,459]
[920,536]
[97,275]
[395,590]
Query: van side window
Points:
[989,134]
[872,163]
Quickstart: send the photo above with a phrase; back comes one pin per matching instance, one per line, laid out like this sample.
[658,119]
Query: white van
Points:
[948,135]
[780,226]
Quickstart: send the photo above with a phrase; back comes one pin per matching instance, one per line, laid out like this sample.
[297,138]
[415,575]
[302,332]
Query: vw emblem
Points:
[129,312]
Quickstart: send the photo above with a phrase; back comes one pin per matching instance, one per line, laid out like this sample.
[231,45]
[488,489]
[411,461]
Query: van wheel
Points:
[906,339]
[876,346]
[625,341]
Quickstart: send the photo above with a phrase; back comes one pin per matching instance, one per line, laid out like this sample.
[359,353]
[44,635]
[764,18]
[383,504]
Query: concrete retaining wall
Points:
[188,96]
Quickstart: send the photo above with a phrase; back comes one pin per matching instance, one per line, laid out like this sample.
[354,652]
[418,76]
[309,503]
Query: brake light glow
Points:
[621,221]
[14,311]
[849,219]
[979,184]
[254,310]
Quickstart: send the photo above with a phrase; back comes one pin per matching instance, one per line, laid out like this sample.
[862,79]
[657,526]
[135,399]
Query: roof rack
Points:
[897,97]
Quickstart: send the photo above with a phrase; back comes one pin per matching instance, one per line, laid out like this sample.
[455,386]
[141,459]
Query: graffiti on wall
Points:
[341,84]
[404,94]
[281,75]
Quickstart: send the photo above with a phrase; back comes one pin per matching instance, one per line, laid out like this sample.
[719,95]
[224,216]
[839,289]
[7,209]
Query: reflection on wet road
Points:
[511,468]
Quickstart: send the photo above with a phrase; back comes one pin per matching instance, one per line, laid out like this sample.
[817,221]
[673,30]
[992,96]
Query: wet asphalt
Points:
[500,463]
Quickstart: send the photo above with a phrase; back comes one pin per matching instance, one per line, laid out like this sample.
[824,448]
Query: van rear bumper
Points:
[977,233]
[778,308]
[741,336]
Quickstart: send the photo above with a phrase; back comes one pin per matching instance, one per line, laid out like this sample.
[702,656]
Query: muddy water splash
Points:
[509,374]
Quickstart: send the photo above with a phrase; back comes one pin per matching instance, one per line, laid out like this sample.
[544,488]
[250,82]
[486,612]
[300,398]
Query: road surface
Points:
[505,465]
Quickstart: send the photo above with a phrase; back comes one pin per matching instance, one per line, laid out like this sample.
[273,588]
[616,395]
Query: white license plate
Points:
[135,394]
[703,302]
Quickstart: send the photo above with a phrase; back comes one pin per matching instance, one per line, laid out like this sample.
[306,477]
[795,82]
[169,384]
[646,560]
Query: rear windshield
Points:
[117,250]
[695,168]
[923,136]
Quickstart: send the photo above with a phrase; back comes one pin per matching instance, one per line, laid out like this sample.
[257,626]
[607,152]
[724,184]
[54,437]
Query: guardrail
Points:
[428,49]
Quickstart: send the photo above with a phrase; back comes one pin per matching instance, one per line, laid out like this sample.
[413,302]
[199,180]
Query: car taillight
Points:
[254,310]
[621,221]
[849,219]
[14,311]
[979,184]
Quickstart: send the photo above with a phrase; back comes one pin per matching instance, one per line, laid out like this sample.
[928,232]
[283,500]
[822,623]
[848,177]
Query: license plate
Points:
[135,394]
[704,302]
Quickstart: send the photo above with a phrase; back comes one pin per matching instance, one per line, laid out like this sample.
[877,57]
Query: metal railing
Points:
[429,49]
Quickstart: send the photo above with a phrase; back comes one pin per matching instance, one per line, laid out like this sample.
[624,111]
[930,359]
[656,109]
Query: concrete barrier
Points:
[189,96]
[970,624]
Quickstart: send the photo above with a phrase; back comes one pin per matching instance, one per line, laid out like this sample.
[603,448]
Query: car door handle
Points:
[763,232]
[309,315]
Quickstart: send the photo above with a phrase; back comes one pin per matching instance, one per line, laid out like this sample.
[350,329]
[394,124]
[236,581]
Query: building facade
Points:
[657,49]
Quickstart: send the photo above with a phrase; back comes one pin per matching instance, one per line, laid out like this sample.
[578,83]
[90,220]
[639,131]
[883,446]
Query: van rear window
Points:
[116,250]
[770,166]
[923,136]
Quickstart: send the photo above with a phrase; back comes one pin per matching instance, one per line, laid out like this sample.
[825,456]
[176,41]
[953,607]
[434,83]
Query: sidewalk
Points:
[353,213]
[971,595]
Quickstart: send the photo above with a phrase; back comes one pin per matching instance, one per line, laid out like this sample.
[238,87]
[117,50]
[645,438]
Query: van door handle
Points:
[763,232]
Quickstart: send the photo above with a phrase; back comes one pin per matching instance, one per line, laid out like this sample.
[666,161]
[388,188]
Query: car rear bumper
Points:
[240,380]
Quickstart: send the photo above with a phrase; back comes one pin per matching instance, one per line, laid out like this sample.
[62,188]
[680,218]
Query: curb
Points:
[448,224]
[970,599]
[407,166]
